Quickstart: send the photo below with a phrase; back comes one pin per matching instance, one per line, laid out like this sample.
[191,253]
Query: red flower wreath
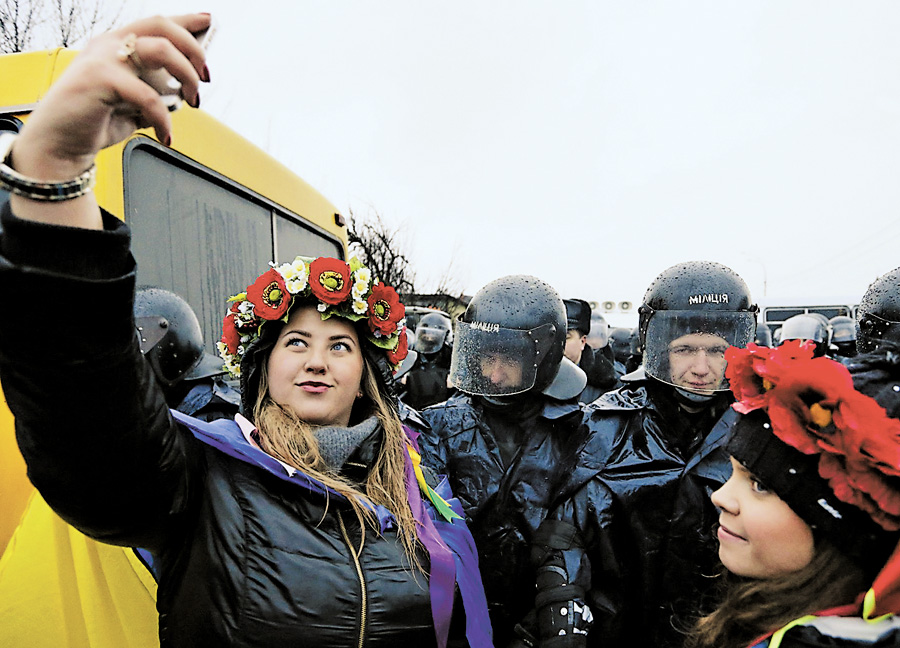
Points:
[385,309]
[398,354]
[329,280]
[269,295]
[814,408]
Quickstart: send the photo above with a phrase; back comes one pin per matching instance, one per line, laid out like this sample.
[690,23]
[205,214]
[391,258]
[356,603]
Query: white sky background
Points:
[590,143]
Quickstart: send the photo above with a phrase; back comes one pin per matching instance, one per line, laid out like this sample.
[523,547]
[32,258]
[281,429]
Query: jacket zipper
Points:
[362,580]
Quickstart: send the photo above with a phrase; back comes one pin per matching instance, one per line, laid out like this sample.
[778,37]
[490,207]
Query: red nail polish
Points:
[206,73]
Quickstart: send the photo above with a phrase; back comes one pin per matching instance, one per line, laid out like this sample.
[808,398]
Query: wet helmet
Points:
[704,300]
[763,335]
[432,332]
[843,335]
[169,334]
[878,315]
[806,326]
[511,340]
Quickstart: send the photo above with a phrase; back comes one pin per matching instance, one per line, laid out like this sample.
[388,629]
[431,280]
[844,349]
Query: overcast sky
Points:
[590,143]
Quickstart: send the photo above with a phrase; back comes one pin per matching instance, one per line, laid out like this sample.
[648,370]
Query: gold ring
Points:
[127,52]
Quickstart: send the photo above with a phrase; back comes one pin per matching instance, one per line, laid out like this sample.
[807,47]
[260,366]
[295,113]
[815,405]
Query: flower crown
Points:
[343,289]
[814,407]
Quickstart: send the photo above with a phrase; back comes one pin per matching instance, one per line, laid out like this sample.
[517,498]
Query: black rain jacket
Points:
[506,466]
[639,502]
[244,558]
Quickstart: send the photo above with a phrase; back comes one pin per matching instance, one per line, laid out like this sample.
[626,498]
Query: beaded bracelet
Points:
[14,182]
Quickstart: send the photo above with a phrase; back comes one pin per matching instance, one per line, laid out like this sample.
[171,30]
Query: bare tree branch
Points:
[68,22]
[77,20]
[18,20]
[377,246]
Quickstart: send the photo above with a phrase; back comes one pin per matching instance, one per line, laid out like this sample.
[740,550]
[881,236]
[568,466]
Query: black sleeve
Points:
[91,422]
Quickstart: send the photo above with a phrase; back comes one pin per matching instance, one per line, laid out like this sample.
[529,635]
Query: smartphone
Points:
[168,86]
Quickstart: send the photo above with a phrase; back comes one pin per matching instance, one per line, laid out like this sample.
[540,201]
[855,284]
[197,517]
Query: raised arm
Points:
[99,101]
[91,422]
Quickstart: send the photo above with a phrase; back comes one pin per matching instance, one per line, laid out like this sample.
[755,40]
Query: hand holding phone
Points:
[167,85]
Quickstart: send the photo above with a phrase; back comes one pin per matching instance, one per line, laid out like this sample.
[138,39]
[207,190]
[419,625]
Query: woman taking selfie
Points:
[809,518]
[307,521]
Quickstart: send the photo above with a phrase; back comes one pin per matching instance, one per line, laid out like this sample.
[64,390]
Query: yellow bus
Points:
[206,215]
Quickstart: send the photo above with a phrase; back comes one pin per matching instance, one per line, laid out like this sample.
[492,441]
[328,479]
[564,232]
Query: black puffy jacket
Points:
[505,465]
[639,502]
[246,554]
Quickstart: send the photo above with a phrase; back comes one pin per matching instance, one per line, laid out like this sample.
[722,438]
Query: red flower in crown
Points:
[269,295]
[398,354]
[753,371]
[231,337]
[329,280]
[814,407]
[385,309]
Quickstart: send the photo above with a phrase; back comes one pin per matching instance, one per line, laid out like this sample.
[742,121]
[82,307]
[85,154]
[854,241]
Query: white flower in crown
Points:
[360,288]
[322,307]
[360,306]
[363,274]
[296,275]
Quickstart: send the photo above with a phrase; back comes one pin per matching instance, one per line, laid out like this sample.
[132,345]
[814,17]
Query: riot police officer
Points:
[511,436]
[620,341]
[807,327]
[763,335]
[426,382]
[634,534]
[843,337]
[171,339]
[878,314]
[598,363]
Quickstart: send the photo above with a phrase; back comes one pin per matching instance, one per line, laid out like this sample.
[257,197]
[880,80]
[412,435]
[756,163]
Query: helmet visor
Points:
[873,330]
[492,361]
[429,339]
[687,348]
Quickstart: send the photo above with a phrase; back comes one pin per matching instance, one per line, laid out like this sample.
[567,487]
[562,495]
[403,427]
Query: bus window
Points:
[192,236]
[293,238]
[832,311]
[781,314]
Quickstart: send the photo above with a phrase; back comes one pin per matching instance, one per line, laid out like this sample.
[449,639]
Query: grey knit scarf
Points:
[337,443]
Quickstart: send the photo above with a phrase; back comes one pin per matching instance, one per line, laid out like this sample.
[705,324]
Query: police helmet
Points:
[763,335]
[620,340]
[598,336]
[807,327]
[843,335]
[878,314]
[169,334]
[706,306]
[511,340]
[432,331]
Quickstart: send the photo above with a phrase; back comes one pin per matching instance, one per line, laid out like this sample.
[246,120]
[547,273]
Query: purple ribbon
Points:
[442,579]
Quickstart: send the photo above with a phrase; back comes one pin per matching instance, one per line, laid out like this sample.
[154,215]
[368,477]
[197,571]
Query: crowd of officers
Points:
[584,458]
[586,471]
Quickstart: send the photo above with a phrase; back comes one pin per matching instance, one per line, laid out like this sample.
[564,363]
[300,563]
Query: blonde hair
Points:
[288,438]
[755,607]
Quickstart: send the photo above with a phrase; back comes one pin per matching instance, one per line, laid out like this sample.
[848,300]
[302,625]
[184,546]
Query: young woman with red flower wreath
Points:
[308,520]
[810,518]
